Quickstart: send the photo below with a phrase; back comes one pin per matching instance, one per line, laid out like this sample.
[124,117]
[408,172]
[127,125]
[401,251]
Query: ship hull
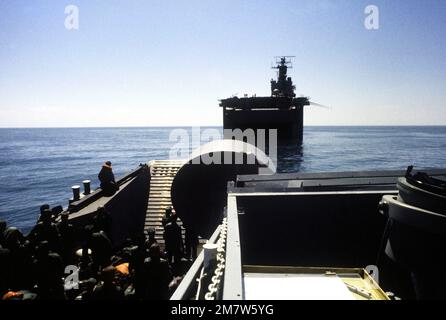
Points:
[288,122]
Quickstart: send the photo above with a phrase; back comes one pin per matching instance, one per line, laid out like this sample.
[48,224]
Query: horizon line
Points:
[213,126]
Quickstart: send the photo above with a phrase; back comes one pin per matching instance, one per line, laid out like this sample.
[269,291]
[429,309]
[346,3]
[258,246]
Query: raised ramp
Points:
[162,173]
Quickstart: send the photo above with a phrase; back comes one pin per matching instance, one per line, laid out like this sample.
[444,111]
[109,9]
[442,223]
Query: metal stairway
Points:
[162,173]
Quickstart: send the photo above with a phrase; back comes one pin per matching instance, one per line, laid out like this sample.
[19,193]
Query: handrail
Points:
[233,285]
[189,279]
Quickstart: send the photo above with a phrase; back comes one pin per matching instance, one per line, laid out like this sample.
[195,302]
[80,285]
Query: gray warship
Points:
[282,110]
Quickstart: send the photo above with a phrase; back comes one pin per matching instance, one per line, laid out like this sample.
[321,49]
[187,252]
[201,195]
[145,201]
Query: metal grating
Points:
[162,173]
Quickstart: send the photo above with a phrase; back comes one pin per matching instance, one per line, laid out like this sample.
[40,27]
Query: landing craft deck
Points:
[266,220]
[274,221]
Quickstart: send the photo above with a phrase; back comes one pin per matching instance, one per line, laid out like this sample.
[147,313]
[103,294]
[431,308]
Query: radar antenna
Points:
[283,86]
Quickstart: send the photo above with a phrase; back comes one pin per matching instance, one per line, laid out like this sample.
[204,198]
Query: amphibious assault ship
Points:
[282,110]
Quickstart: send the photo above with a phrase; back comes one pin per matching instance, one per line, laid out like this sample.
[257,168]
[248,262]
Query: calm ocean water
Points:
[40,165]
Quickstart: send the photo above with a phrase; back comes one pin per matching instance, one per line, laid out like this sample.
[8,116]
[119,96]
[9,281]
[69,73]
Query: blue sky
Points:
[155,63]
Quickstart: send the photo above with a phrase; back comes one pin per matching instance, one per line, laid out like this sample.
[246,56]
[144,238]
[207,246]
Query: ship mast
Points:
[283,86]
